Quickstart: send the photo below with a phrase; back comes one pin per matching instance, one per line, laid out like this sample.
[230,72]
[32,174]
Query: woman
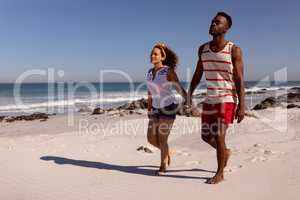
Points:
[162,107]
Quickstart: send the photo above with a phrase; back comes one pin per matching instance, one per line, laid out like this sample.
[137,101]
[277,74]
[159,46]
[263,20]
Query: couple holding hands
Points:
[221,62]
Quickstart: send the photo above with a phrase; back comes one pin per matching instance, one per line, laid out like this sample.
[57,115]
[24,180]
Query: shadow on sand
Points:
[141,170]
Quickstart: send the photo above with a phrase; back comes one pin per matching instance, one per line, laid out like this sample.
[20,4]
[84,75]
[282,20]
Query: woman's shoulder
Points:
[149,74]
[164,71]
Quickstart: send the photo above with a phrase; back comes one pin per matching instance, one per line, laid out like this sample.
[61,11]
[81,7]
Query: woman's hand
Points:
[150,114]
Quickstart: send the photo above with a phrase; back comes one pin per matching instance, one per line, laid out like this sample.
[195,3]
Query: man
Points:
[222,63]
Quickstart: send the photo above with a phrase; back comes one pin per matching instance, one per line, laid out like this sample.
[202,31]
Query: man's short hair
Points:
[228,18]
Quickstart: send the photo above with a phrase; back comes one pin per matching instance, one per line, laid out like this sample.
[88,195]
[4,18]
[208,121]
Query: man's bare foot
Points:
[227,156]
[216,179]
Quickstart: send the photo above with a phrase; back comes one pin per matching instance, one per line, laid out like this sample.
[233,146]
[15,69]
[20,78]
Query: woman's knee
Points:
[163,140]
[151,138]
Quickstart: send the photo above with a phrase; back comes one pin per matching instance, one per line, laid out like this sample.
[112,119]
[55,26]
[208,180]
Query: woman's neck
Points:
[158,65]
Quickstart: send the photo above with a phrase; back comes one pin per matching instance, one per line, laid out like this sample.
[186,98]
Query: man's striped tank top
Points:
[218,69]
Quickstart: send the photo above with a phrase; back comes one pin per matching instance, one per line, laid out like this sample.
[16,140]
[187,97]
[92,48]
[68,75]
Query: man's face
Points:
[218,26]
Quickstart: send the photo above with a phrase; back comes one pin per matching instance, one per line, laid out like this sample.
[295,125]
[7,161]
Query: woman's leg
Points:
[164,128]
[152,132]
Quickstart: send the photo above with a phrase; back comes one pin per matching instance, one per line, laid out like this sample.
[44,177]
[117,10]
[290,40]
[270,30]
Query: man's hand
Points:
[187,105]
[240,113]
[188,101]
[238,70]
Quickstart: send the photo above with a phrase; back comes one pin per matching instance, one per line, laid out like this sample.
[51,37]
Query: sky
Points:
[83,37]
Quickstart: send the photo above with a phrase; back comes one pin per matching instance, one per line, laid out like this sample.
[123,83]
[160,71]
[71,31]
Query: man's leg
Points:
[221,153]
[209,133]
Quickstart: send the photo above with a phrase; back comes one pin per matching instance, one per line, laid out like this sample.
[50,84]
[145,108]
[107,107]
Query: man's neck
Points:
[218,40]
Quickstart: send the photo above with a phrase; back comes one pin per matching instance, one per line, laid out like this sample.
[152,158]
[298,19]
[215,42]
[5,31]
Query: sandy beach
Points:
[80,81]
[97,157]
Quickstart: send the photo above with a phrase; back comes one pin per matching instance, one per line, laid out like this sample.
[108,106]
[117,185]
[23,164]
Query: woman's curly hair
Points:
[171,58]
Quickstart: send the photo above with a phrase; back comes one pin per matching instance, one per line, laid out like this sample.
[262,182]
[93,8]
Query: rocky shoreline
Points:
[289,100]
[35,116]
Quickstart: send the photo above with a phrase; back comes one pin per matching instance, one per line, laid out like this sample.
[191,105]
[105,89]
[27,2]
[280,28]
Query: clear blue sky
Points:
[83,36]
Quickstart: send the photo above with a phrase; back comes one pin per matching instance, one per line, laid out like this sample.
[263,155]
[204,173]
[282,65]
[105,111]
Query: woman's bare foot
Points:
[227,156]
[162,170]
[216,179]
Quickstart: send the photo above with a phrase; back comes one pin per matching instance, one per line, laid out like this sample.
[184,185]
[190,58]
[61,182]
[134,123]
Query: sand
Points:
[51,160]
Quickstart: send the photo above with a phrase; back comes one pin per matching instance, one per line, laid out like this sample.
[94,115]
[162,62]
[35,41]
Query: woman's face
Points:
[156,56]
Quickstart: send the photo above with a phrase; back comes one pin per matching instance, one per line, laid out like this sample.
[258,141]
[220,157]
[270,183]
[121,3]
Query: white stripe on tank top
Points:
[218,69]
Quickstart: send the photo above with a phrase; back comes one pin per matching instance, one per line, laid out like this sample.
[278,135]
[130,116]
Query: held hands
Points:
[150,114]
[188,101]
[187,106]
[240,113]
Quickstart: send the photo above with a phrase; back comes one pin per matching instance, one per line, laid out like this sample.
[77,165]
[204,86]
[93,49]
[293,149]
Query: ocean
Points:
[61,97]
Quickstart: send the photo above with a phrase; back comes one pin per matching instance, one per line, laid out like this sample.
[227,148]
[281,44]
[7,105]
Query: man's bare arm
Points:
[196,77]
[238,71]
[172,76]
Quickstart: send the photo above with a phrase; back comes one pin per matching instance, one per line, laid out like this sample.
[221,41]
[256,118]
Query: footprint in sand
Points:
[181,153]
[233,168]
[10,148]
[192,162]
[257,159]
[262,154]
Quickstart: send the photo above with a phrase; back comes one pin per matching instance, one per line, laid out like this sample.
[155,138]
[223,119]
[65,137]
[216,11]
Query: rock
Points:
[138,104]
[84,109]
[143,103]
[98,111]
[111,109]
[2,118]
[122,114]
[295,89]
[268,102]
[145,149]
[140,148]
[292,106]
[250,114]
[289,97]
[34,116]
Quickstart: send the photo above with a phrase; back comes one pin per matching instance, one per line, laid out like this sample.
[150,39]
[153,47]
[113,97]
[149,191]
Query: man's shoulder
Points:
[236,50]
[203,45]
[202,48]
